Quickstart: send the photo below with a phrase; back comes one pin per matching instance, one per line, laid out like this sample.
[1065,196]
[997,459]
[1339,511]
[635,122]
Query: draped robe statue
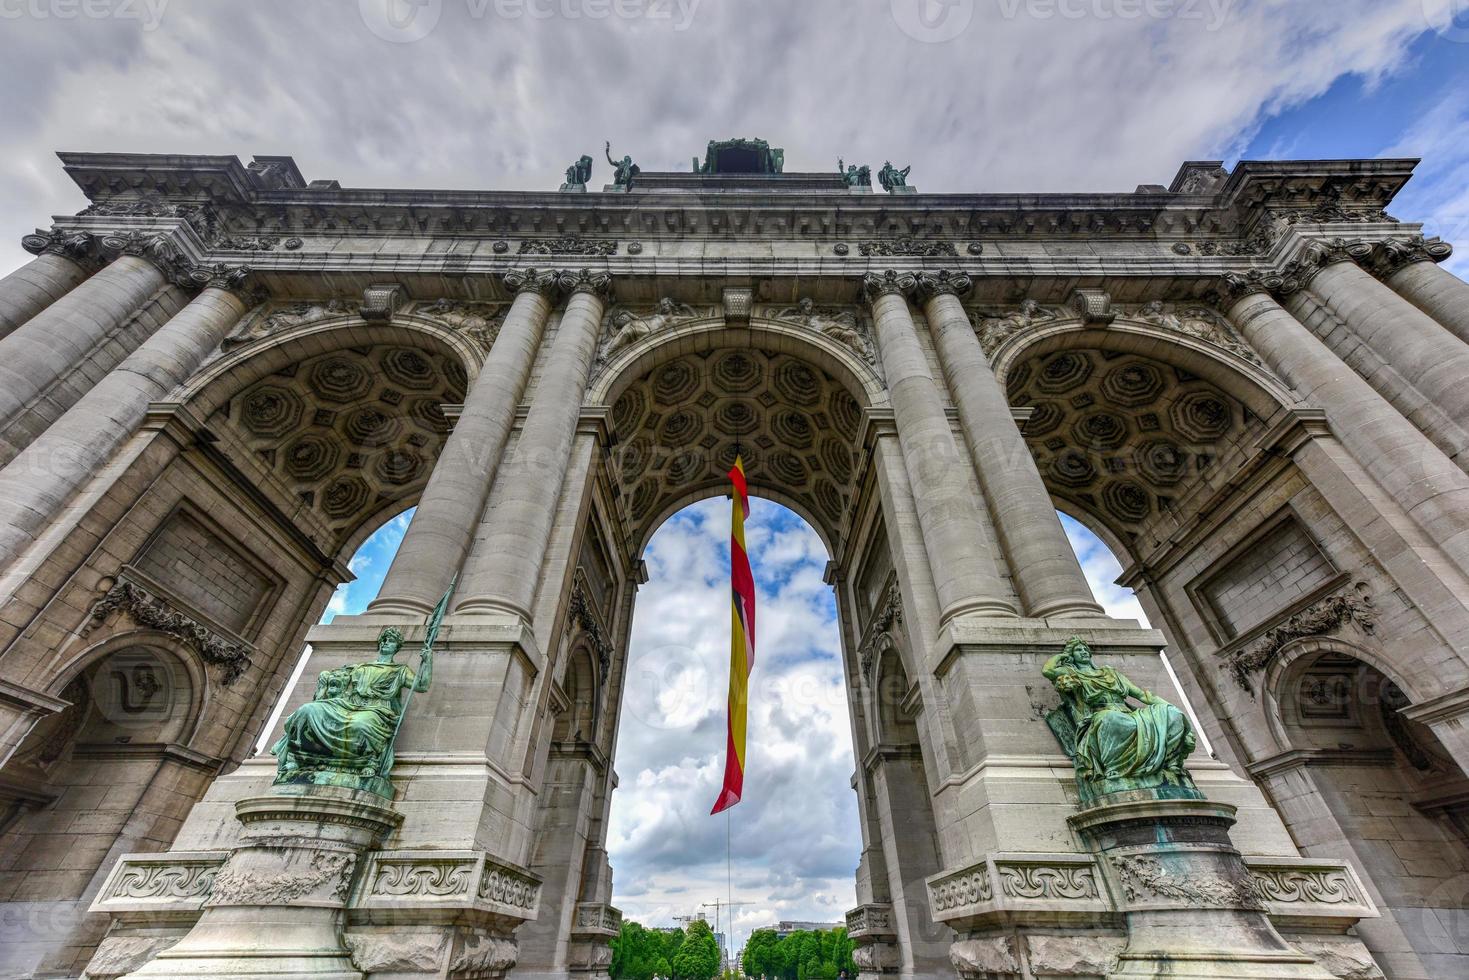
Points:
[1116,746]
[344,735]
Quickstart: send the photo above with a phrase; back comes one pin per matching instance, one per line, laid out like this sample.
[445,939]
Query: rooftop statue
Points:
[578,173]
[623,171]
[891,177]
[344,735]
[1114,745]
[853,175]
[741,156]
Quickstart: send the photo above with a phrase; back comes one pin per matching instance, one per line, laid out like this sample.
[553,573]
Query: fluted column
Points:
[505,563]
[1411,342]
[438,537]
[63,335]
[964,571]
[1042,562]
[35,485]
[1429,487]
[1411,269]
[62,261]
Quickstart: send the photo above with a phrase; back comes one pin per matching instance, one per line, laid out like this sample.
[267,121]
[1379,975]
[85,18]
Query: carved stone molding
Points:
[597,919]
[181,880]
[153,612]
[568,245]
[453,881]
[200,217]
[1006,885]
[870,920]
[1324,617]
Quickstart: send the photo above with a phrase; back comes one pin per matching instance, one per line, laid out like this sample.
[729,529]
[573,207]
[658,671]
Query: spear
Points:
[428,647]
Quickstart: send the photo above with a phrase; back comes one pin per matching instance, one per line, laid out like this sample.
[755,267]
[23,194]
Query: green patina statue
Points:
[890,177]
[853,175]
[623,171]
[344,735]
[1114,745]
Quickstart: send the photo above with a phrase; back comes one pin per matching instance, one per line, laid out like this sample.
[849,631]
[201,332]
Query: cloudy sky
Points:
[977,95]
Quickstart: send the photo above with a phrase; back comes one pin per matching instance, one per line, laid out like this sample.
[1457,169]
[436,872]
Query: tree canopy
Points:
[802,955]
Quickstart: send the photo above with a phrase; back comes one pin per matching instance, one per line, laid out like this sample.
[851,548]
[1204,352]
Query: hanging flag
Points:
[741,642]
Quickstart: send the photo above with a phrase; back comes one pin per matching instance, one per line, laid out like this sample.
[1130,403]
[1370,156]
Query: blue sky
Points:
[992,95]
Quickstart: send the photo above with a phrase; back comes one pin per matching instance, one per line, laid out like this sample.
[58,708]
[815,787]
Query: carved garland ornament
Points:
[568,245]
[243,887]
[152,612]
[908,246]
[580,614]
[1320,618]
[889,615]
[1147,879]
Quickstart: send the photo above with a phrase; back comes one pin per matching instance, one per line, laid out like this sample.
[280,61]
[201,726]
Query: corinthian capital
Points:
[237,279]
[79,246]
[541,281]
[1235,286]
[876,284]
[599,284]
[944,283]
[161,252]
[1395,254]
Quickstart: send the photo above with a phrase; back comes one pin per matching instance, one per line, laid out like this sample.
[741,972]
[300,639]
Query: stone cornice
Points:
[270,198]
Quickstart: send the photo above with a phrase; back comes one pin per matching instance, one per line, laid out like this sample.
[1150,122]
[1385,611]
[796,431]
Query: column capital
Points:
[877,284]
[542,281]
[1232,287]
[599,284]
[1396,254]
[161,252]
[79,246]
[237,279]
[943,283]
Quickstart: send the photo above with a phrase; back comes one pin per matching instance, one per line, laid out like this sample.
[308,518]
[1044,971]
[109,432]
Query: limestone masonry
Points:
[218,379]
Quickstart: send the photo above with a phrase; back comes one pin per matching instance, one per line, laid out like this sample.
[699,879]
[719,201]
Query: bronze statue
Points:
[891,177]
[579,173]
[623,171]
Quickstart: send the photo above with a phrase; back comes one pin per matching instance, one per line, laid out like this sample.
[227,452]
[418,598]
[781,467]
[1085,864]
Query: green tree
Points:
[759,958]
[698,956]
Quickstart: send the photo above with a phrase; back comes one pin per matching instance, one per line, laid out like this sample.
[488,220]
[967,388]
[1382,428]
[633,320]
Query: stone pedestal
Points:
[276,908]
[1189,902]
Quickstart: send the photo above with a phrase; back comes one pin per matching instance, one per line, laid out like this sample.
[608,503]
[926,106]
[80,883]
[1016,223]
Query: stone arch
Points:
[1129,420]
[680,409]
[345,414]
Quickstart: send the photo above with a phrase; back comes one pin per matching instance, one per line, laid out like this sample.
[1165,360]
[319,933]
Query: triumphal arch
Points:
[218,379]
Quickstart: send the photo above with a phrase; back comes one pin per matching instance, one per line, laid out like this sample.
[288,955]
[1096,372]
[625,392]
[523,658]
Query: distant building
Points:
[785,927]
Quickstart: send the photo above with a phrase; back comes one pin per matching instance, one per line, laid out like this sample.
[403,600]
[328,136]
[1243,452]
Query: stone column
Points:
[505,562]
[439,535]
[63,260]
[1408,340]
[1044,566]
[1425,483]
[964,571]
[1410,269]
[36,484]
[62,337]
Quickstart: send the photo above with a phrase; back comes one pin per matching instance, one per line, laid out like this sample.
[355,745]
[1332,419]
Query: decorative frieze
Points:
[1323,617]
[908,246]
[178,880]
[872,919]
[568,245]
[448,880]
[597,918]
[153,612]
[1004,885]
